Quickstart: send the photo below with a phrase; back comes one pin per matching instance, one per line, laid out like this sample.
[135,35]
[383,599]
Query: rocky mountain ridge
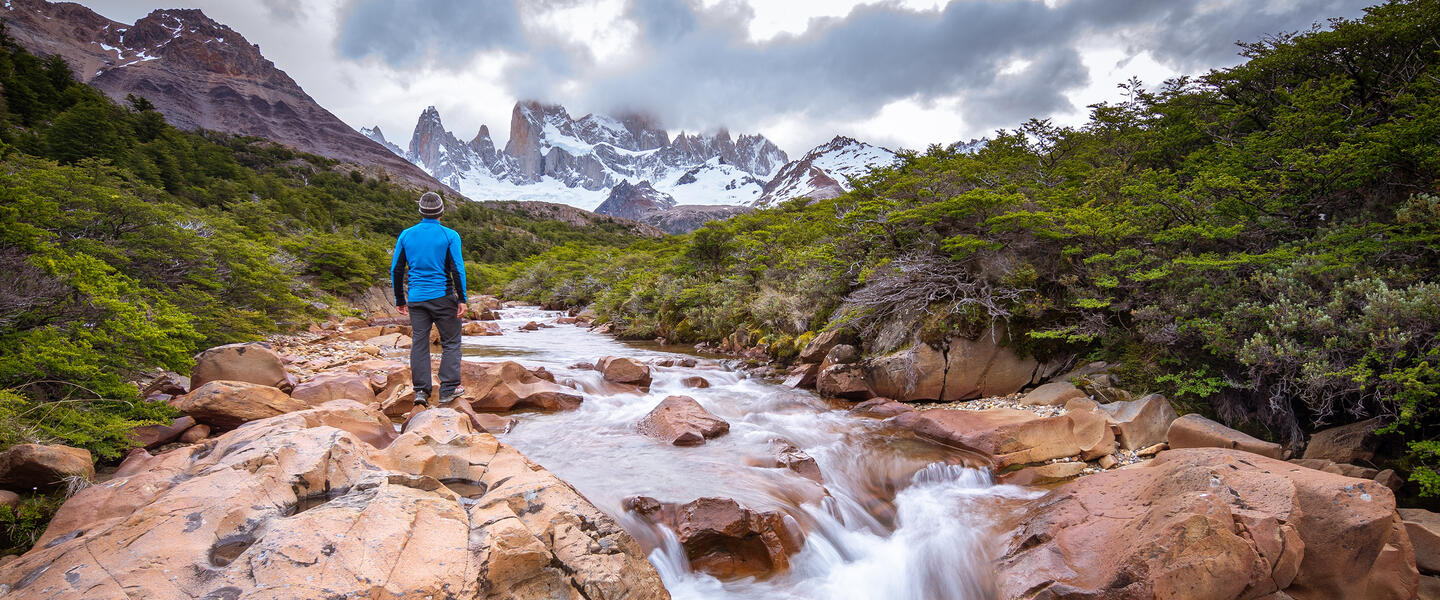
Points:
[550,155]
[200,74]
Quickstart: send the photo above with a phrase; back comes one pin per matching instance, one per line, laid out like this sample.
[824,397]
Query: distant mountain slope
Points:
[199,74]
[551,156]
[824,172]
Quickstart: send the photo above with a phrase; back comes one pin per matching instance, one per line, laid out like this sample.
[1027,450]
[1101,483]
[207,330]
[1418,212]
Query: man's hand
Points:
[460,313]
[404,309]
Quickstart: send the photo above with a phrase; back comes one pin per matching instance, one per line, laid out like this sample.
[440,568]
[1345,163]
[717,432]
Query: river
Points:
[896,518]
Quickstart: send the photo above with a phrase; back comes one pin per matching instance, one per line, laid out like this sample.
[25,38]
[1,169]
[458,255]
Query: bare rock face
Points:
[916,374]
[509,386]
[1195,431]
[1423,527]
[250,363]
[230,404]
[803,376]
[1016,437]
[625,370]
[959,369]
[43,466]
[815,351]
[1140,423]
[1055,393]
[723,538]
[843,381]
[301,506]
[634,201]
[1355,443]
[681,421]
[1210,523]
[334,385]
[881,408]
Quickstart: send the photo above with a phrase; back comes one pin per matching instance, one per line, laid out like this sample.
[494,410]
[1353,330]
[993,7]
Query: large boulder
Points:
[499,387]
[43,466]
[1355,443]
[1015,437]
[913,375]
[334,385]
[230,404]
[1055,393]
[626,371]
[1210,524]
[681,421]
[803,376]
[299,506]
[843,381]
[815,351]
[1195,431]
[1140,423]
[1423,527]
[480,328]
[723,538]
[251,363]
[152,436]
[982,368]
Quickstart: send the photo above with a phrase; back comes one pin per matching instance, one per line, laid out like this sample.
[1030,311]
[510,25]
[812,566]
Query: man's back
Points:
[430,254]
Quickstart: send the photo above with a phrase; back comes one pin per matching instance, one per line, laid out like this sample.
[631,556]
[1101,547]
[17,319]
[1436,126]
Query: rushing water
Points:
[896,517]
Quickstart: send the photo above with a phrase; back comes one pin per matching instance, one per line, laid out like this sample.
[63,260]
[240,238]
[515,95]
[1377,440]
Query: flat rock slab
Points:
[302,506]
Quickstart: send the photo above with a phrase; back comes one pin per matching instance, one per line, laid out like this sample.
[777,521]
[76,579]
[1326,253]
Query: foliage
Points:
[1261,243]
[21,525]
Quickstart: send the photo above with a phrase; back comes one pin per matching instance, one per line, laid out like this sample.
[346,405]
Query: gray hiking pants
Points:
[439,312]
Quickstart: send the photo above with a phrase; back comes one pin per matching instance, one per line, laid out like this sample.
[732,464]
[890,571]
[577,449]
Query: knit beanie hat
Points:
[431,206]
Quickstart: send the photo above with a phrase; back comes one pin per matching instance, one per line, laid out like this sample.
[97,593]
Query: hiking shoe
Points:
[422,399]
[450,396]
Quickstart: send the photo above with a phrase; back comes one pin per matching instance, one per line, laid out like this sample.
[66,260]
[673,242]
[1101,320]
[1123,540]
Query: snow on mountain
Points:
[824,172]
[378,136]
[553,157]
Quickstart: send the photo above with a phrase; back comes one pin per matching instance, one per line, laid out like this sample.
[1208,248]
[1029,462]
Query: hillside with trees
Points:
[1260,243]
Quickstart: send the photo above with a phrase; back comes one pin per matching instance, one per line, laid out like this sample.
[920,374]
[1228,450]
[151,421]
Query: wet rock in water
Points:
[543,373]
[480,328]
[152,436]
[625,370]
[1140,423]
[803,376]
[696,382]
[496,387]
[251,363]
[843,381]
[229,404]
[1423,528]
[492,423]
[815,351]
[723,538]
[1354,443]
[1055,393]
[681,421]
[1195,431]
[786,456]
[1045,474]
[531,326]
[1210,523]
[195,434]
[1016,437]
[334,385]
[43,466]
[881,408]
[299,506]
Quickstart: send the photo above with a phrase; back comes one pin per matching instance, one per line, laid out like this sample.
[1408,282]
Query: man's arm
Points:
[455,264]
[398,268]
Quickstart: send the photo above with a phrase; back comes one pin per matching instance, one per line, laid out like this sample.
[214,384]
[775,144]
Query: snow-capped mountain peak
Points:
[825,171]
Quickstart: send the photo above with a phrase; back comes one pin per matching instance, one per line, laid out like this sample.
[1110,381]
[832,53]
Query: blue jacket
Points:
[430,253]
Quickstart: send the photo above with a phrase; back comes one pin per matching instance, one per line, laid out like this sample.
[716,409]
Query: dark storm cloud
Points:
[405,34]
[697,64]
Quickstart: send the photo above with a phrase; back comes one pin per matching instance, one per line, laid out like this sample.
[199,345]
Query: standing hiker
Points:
[429,253]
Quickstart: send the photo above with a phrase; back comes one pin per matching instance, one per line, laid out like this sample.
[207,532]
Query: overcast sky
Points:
[900,73]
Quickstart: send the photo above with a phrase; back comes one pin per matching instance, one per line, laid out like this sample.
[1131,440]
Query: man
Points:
[429,253]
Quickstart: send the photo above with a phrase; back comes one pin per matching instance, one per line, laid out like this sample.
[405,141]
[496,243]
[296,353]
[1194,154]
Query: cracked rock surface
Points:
[331,503]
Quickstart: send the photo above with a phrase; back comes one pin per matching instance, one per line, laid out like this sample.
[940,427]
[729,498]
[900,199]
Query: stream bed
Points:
[896,517]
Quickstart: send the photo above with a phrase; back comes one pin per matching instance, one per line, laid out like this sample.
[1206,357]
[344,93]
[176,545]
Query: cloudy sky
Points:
[901,73]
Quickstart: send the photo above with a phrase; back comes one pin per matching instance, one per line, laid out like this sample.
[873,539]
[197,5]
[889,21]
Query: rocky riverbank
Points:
[301,469]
